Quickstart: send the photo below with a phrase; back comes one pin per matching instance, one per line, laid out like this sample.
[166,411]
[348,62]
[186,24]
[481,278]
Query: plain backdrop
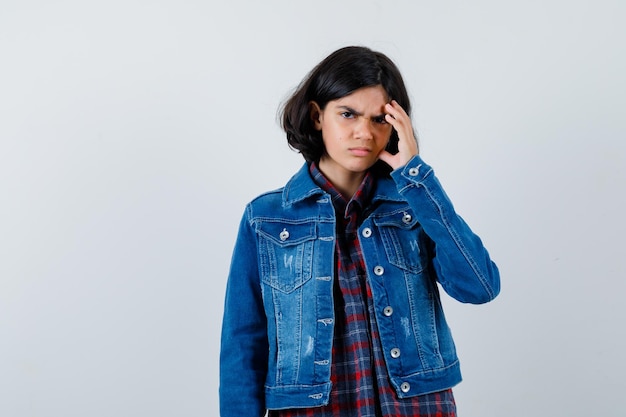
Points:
[132,133]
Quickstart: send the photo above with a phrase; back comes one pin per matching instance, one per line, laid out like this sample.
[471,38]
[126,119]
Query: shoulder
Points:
[300,189]
[276,196]
[267,202]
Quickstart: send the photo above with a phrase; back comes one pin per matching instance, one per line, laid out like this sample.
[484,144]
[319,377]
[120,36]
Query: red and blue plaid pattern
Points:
[358,374]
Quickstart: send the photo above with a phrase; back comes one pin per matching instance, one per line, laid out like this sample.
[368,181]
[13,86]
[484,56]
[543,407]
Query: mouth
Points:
[360,151]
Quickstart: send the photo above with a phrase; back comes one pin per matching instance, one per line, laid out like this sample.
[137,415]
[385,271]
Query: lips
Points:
[360,151]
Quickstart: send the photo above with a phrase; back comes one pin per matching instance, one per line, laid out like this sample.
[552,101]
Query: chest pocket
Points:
[403,239]
[286,253]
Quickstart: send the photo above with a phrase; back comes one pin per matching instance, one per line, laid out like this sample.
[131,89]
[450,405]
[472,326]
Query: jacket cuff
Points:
[412,174]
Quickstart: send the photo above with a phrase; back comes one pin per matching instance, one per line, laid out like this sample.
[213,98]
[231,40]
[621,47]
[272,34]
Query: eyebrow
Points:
[358,113]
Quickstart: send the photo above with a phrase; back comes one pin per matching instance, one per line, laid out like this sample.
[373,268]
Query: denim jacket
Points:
[278,324]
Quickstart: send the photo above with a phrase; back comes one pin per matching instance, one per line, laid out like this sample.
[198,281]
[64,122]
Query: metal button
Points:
[388,311]
[284,235]
[379,270]
[405,387]
[367,232]
[414,171]
[395,353]
[407,218]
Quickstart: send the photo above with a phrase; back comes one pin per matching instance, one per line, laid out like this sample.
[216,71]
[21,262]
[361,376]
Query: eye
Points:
[347,115]
[380,120]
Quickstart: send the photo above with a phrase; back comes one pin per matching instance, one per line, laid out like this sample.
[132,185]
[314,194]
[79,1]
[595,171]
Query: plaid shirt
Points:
[358,374]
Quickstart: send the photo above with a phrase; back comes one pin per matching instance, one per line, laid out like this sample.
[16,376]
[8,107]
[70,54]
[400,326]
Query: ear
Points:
[315,112]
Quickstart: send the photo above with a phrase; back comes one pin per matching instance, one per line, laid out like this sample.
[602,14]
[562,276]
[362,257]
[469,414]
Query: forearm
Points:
[244,346]
[462,263]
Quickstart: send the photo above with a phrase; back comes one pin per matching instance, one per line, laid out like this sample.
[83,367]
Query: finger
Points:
[384,155]
[391,119]
[402,124]
[398,119]
[396,110]
[394,161]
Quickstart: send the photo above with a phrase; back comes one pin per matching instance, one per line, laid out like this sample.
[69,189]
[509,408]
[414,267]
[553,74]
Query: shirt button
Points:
[388,311]
[367,232]
[284,235]
[405,387]
[414,171]
[407,218]
[379,270]
[395,353]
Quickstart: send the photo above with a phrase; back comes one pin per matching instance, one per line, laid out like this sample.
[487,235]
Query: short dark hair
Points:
[338,75]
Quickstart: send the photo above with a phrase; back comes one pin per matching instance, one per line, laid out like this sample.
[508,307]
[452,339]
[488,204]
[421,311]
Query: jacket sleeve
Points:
[244,345]
[461,262]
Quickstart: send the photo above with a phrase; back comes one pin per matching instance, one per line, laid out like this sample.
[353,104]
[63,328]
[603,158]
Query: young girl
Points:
[332,303]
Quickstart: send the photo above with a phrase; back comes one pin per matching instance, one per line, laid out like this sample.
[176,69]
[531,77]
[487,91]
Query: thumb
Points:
[387,157]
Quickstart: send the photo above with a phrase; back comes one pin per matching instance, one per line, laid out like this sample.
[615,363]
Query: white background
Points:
[132,133]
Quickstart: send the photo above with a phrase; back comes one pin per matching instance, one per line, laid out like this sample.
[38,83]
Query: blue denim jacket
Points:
[278,324]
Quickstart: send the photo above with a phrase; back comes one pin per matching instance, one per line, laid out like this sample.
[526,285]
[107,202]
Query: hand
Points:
[407,145]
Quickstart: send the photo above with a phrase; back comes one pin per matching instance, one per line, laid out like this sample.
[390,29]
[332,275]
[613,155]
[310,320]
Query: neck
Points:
[346,182]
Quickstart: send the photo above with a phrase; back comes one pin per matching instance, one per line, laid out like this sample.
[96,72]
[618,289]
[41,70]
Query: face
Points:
[354,131]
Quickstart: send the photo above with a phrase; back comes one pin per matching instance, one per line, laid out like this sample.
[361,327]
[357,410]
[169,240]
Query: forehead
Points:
[364,99]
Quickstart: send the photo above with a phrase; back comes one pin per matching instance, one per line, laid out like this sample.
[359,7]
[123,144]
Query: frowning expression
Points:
[354,131]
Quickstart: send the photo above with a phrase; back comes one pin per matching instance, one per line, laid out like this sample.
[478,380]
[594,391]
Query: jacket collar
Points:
[386,190]
[301,186]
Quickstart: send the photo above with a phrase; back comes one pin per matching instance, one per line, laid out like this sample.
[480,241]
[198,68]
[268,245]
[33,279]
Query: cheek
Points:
[333,134]
[384,137]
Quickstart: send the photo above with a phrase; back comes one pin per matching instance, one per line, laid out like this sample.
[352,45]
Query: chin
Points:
[362,167]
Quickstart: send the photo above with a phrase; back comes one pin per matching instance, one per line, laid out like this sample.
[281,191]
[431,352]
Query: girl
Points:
[332,303]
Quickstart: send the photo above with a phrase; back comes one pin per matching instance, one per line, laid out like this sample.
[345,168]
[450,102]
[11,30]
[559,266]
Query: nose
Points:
[363,129]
